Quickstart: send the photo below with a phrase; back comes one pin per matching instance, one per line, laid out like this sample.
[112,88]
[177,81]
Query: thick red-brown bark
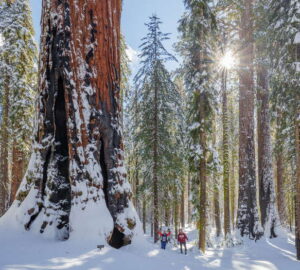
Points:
[78,156]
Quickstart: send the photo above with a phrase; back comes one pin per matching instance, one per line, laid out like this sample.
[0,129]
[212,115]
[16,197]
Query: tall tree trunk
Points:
[77,162]
[151,224]
[4,180]
[233,163]
[155,167]
[297,204]
[268,211]
[232,190]
[176,209]
[17,171]
[167,214]
[280,188]
[144,215]
[137,187]
[216,189]
[189,207]
[182,206]
[226,164]
[217,207]
[202,178]
[248,219]
[281,203]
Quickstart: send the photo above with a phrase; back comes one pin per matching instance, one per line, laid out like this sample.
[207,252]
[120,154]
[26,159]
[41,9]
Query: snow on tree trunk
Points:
[268,211]
[248,219]
[76,182]
[18,57]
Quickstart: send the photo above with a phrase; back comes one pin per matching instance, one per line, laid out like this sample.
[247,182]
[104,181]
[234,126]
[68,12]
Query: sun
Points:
[228,60]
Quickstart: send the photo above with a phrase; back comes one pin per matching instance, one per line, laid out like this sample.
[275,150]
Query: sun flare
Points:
[228,60]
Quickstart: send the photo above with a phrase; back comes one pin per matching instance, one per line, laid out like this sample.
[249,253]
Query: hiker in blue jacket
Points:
[164,238]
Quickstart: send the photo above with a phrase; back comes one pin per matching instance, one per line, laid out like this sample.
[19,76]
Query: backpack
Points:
[164,238]
[182,237]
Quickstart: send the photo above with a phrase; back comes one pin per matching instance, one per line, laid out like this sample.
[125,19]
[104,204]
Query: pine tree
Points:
[195,28]
[18,58]
[76,172]
[158,101]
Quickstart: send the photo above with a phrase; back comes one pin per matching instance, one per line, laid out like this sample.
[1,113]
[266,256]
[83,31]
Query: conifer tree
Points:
[76,172]
[18,64]
[195,27]
[158,101]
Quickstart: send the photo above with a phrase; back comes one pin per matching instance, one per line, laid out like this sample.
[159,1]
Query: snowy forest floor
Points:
[23,251]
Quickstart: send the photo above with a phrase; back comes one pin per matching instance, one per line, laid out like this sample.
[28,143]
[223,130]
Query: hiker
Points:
[164,238]
[182,238]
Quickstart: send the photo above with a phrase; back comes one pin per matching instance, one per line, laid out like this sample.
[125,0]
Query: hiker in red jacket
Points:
[182,238]
[164,238]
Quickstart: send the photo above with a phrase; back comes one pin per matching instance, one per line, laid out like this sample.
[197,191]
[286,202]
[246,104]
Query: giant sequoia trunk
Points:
[265,169]
[248,220]
[76,180]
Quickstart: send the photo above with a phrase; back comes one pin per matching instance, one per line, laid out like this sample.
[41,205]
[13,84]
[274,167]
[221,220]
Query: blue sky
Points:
[135,14]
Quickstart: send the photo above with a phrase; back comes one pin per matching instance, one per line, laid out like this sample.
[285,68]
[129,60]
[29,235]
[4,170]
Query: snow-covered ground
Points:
[20,250]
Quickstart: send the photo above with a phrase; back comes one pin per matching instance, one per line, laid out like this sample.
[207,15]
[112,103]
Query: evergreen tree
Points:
[158,101]
[18,78]
[76,171]
[195,27]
